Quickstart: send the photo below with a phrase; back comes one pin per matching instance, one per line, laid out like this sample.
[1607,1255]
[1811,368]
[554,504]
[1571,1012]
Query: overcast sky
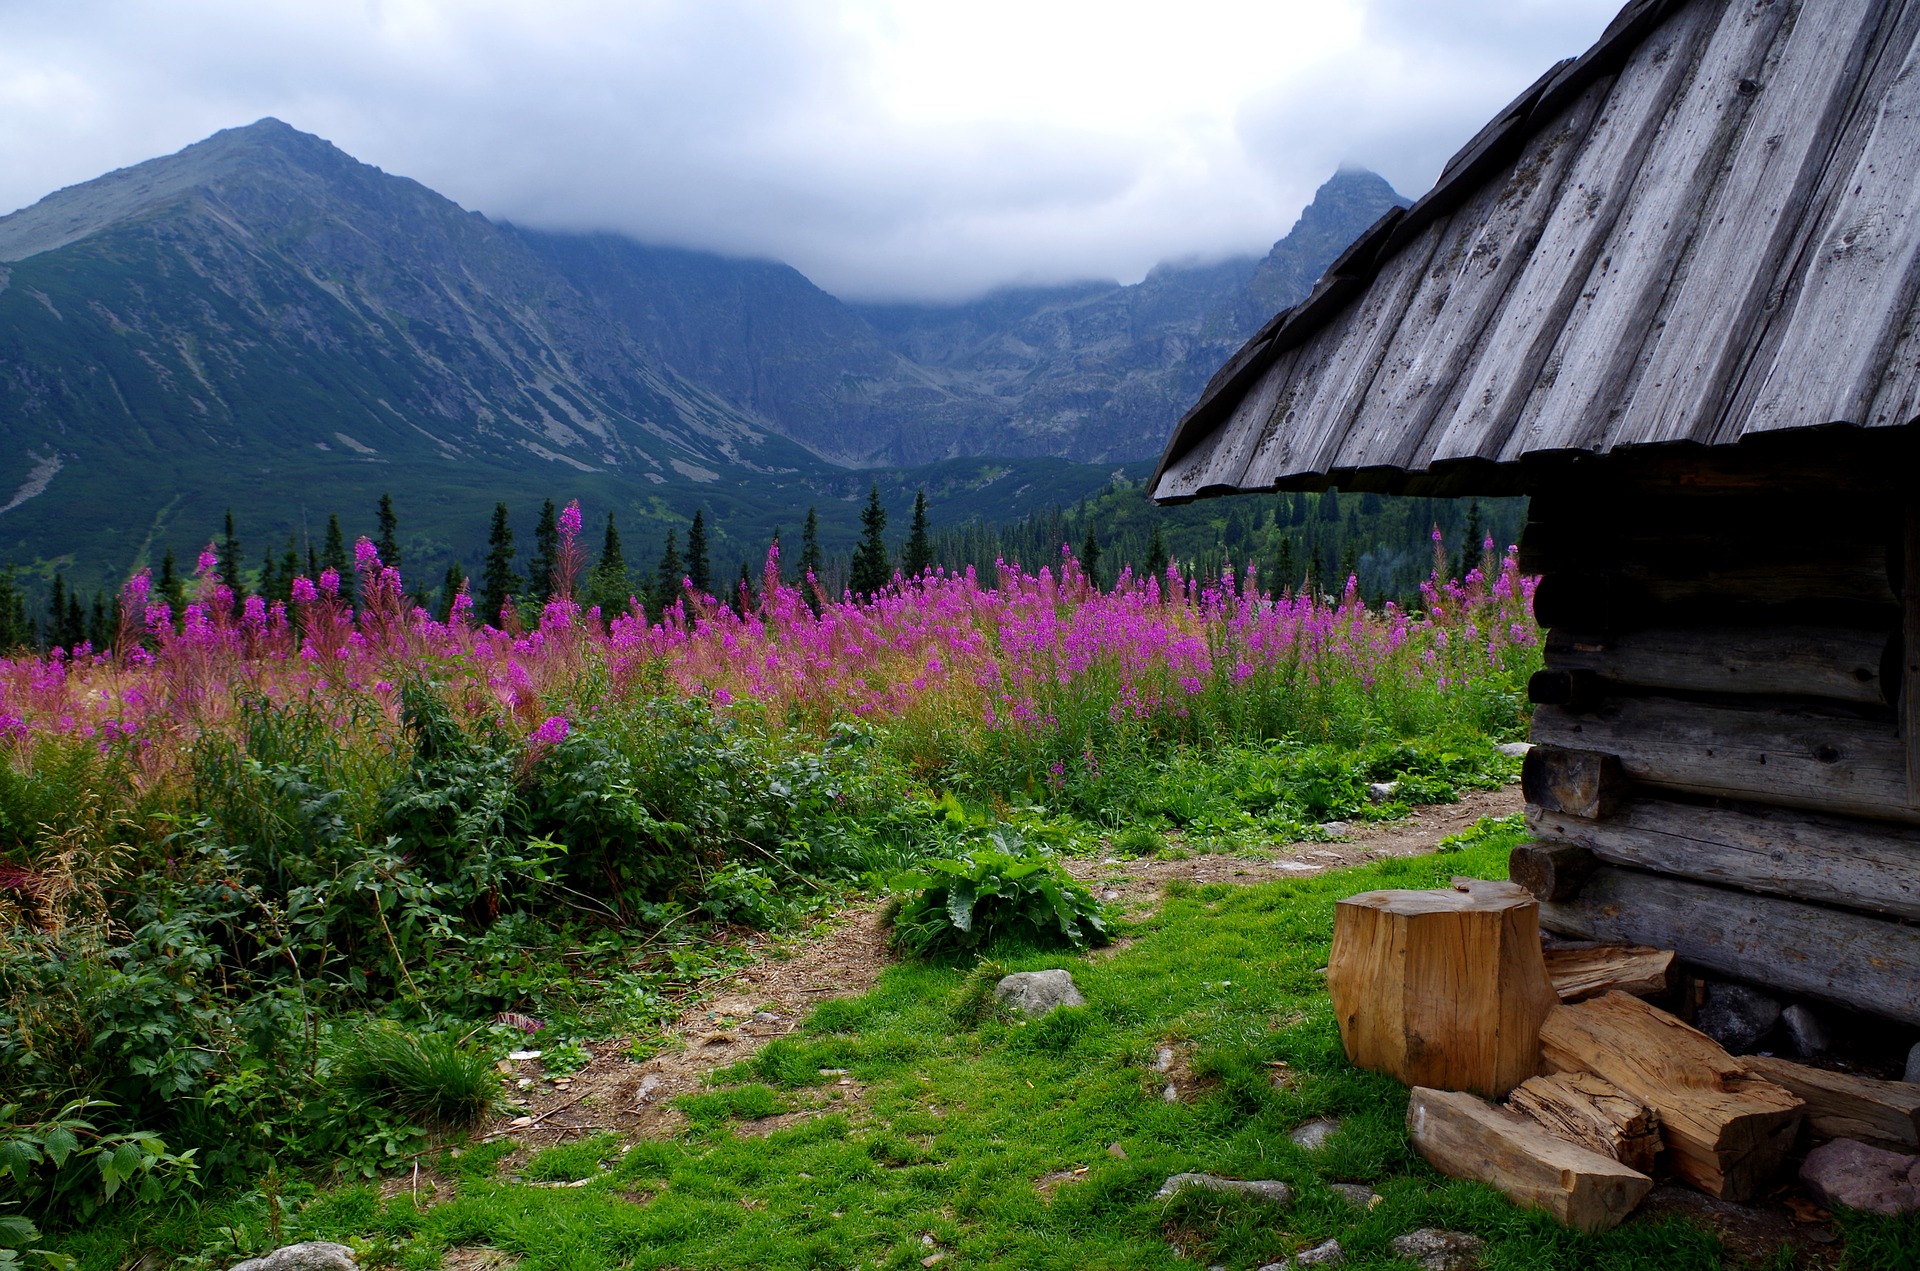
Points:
[887,148]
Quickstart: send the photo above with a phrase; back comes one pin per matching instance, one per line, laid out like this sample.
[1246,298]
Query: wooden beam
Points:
[1778,753]
[1869,964]
[1841,663]
[1550,871]
[1910,627]
[1573,781]
[1464,1137]
[1828,860]
[1588,971]
[1726,1131]
[1593,1112]
[1844,1105]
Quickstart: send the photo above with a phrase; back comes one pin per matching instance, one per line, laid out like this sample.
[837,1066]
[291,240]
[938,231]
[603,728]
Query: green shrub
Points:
[432,1079]
[1138,840]
[952,905]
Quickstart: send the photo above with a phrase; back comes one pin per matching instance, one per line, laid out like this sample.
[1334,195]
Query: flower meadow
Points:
[235,843]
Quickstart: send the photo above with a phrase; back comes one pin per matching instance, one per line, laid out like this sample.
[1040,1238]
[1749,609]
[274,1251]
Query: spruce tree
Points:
[1156,552]
[450,586]
[229,558]
[1090,558]
[498,583]
[171,589]
[57,612]
[1285,570]
[699,568]
[670,574]
[333,555]
[870,571]
[743,593]
[918,557]
[810,546]
[546,554]
[607,586]
[386,541]
[269,578]
[100,623]
[1470,548]
[13,612]
[289,570]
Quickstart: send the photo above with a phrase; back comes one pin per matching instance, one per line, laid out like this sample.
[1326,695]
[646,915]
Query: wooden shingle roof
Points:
[1705,229]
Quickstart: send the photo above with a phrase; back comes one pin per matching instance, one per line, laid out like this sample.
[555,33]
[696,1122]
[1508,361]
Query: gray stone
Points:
[1266,1189]
[1334,829]
[1913,1065]
[1433,1249]
[1037,992]
[1515,749]
[1850,1173]
[1329,1254]
[1314,1134]
[1809,1034]
[1382,791]
[1736,1016]
[1359,1195]
[313,1255]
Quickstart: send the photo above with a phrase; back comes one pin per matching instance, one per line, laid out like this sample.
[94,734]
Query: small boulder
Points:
[1809,1035]
[1334,829]
[1314,1134]
[1037,992]
[1515,749]
[1432,1249]
[1913,1065]
[1382,791]
[1736,1016]
[311,1255]
[1329,1254]
[1265,1188]
[1359,1195]
[1850,1173]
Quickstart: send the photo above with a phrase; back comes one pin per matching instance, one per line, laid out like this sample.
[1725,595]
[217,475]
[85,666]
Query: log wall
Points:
[1723,762]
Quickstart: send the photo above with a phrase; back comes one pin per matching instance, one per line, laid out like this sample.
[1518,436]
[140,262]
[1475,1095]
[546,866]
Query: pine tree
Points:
[1286,575]
[269,578]
[229,558]
[386,541]
[333,555]
[546,554]
[810,546]
[1470,548]
[1156,552]
[1330,504]
[450,586]
[607,586]
[100,623]
[57,612]
[669,576]
[13,612]
[1090,558]
[699,569]
[289,570]
[743,593]
[170,586]
[918,557]
[498,583]
[870,572]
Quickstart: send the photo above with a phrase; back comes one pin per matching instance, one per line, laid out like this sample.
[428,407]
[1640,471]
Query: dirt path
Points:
[633,1097]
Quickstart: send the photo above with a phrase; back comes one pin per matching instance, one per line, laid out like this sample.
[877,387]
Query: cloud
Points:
[884,147]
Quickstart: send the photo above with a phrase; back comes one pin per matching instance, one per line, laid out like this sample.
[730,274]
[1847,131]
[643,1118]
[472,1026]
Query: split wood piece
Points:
[1726,1130]
[1828,860]
[1853,959]
[1441,988]
[1593,1112]
[1780,753]
[1573,781]
[1843,1105]
[1550,871]
[1844,664]
[1580,973]
[1465,1137]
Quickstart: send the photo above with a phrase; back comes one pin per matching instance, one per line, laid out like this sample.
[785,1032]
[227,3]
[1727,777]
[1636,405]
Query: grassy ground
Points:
[953,1113]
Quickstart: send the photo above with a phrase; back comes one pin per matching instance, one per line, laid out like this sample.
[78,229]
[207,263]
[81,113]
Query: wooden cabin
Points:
[1672,293]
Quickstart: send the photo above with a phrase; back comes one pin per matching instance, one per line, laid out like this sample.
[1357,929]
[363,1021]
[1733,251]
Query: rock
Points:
[1359,1195]
[1266,1189]
[1736,1016]
[1163,1059]
[1116,1151]
[1514,750]
[1848,1172]
[1334,829]
[1433,1249]
[1037,992]
[312,1255]
[1171,1094]
[1913,1065]
[1314,1134]
[1329,1254]
[1382,791]
[1809,1034]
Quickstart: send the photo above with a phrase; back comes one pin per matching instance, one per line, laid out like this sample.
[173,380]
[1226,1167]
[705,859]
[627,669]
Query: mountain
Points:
[262,322]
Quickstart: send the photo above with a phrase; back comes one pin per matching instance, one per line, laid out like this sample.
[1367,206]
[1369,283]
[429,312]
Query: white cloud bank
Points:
[886,148]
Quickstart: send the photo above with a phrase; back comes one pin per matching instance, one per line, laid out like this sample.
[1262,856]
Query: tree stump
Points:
[1444,989]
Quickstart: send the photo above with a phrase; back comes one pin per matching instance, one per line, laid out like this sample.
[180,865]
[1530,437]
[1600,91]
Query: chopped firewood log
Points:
[1578,974]
[1726,1130]
[1594,1113]
[1464,1137]
[1550,871]
[1441,988]
[1844,1105]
